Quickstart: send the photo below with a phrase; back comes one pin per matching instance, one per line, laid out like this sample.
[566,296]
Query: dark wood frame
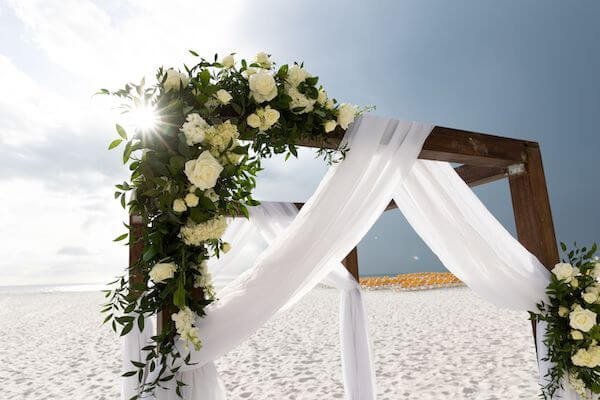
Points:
[484,158]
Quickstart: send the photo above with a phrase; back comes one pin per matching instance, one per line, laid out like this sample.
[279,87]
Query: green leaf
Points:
[128,374]
[120,237]
[114,143]
[179,295]
[121,131]
[127,328]
[140,322]
[204,77]
[127,152]
[149,254]
[192,52]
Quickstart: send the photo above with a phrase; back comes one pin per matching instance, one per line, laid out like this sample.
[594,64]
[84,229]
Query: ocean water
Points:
[78,287]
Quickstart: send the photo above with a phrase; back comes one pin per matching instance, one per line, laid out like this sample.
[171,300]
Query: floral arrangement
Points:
[573,333]
[194,154]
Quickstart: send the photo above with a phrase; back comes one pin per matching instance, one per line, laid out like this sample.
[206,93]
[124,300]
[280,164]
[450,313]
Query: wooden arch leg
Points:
[351,263]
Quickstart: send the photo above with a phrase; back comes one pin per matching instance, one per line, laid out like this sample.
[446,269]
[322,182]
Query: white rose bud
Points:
[329,104]
[574,283]
[563,271]
[204,171]
[563,311]
[175,79]
[191,200]
[346,114]
[590,297]
[576,335]
[162,271]
[582,319]
[330,125]
[179,206]
[296,75]
[226,247]
[262,87]
[212,195]
[249,71]
[253,120]
[223,96]
[322,99]
[228,61]
[263,60]
[271,116]
[192,188]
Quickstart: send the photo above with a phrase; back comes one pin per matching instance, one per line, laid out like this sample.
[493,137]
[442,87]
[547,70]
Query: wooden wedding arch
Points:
[484,158]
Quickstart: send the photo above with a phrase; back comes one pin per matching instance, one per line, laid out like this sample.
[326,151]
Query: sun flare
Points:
[143,117]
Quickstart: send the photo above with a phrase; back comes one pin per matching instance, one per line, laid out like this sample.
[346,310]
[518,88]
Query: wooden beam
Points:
[474,175]
[136,247]
[455,145]
[351,263]
[531,204]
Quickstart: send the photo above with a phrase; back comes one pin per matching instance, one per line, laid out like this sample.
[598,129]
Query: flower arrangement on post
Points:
[573,333]
[192,165]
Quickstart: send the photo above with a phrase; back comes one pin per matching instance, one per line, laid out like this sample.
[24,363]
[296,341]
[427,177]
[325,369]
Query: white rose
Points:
[253,120]
[263,60]
[322,99]
[594,352]
[574,282]
[162,271]
[582,319]
[346,114]
[576,335]
[590,297]
[179,206]
[191,200]
[582,358]
[194,129]
[563,271]
[228,61]
[204,171]
[296,75]
[223,96]
[271,116]
[596,270]
[300,100]
[262,87]
[249,71]
[330,125]
[329,104]
[226,247]
[175,79]
[593,289]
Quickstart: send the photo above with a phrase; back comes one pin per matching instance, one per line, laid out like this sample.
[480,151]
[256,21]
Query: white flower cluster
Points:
[578,385]
[175,80]
[194,234]
[222,137]
[295,76]
[184,323]
[162,271]
[204,281]
[194,129]
[263,118]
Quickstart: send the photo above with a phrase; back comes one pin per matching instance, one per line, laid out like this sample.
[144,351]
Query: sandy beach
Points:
[433,344]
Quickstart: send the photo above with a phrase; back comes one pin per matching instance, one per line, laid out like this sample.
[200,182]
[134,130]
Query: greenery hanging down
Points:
[198,143]
[573,331]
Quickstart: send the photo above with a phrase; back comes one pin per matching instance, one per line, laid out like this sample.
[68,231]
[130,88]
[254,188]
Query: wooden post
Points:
[351,263]
[531,205]
[136,247]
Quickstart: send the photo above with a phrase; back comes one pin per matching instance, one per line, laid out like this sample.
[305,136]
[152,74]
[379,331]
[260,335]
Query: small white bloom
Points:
[179,205]
[330,125]
[253,120]
[322,99]
[346,114]
[184,324]
[162,271]
[296,75]
[226,247]
[271,116]
[212,195]
[582,319]
[249,72]
[596,270]
[563,271]
[194,129]
[329,104]
[563,311]
[262,87]
[263,60]
[589,297]
[174,80]
[192,188]
[204,171]
[300,100]
[194,234]
[191,200]
[223,96]
[574,283]
[576,335]
[228,61]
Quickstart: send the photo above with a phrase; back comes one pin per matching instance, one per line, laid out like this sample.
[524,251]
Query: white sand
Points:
[436,344]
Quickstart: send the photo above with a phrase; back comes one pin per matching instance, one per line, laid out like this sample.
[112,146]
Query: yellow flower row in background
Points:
[413,281]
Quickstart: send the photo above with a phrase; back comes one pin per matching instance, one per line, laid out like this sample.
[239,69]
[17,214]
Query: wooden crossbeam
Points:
[458,146]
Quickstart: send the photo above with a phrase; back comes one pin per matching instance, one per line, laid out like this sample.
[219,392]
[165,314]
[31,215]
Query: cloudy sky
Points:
[520,69]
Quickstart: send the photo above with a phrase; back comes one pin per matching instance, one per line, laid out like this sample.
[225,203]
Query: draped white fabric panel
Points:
[468,239]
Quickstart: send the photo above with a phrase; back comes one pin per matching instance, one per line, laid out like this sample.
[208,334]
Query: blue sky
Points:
[526,69]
